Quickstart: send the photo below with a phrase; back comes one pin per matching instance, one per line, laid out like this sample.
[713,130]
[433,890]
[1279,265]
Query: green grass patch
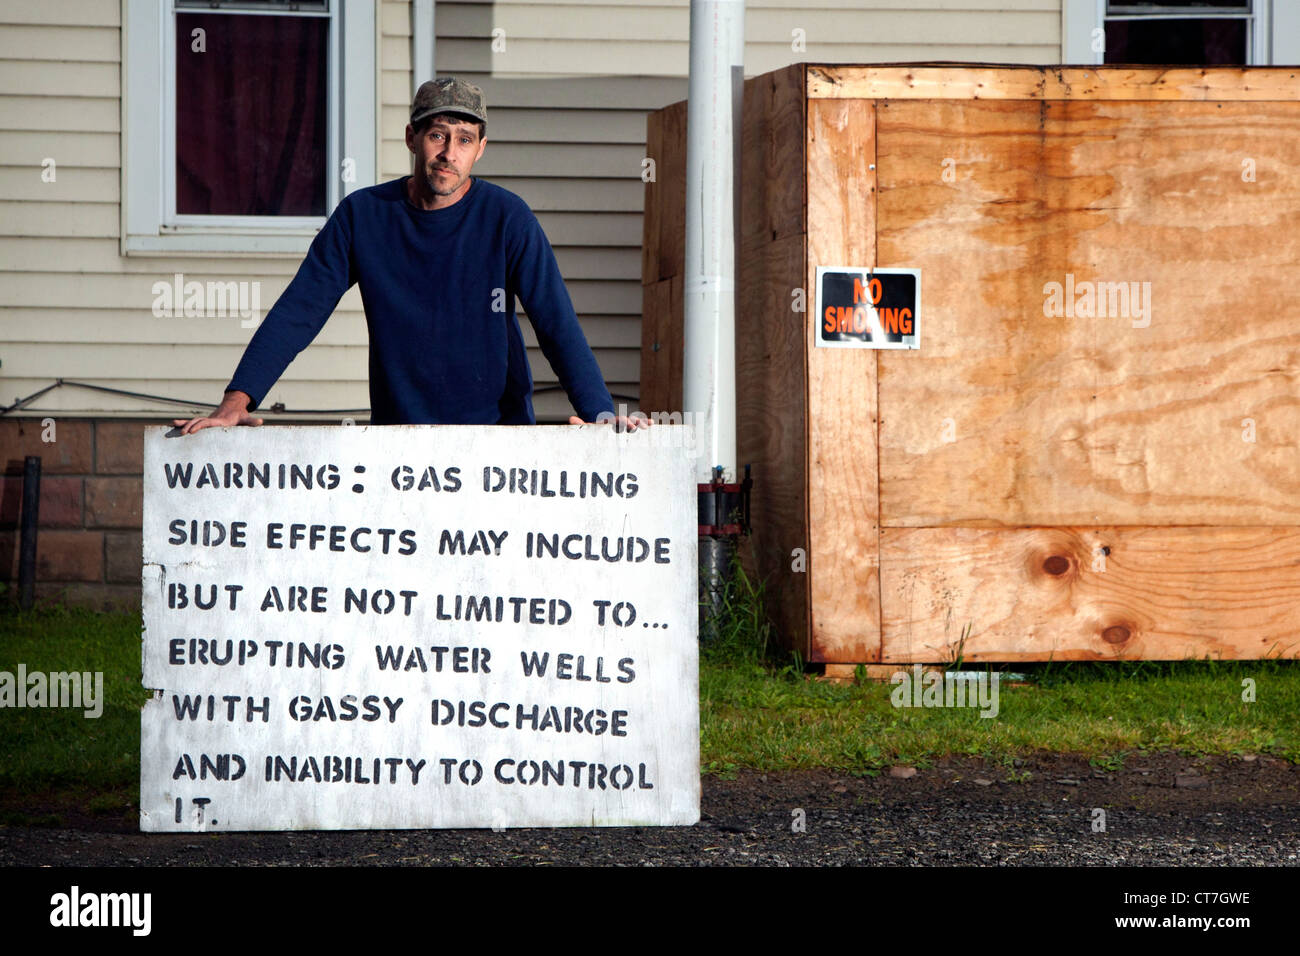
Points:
[60,747]
[758,709]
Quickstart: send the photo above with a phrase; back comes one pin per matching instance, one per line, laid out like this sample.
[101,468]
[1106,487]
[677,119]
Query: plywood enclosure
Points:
[1095,454]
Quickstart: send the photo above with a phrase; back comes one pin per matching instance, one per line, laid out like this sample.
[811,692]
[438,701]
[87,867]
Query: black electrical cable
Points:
[277,407]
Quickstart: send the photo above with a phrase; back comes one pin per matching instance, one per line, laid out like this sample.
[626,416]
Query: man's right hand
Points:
[233,410]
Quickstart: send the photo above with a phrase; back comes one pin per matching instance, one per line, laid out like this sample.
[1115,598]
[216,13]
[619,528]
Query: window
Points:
[244,123]
[1218,33]
[1182,32]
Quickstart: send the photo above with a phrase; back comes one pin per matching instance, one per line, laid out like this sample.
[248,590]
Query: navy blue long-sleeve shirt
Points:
[438,287]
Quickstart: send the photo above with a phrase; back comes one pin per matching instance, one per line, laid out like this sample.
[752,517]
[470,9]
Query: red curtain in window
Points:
[251,96]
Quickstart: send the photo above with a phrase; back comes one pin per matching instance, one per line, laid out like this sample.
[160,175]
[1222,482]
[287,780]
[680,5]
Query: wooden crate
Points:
[1072,488]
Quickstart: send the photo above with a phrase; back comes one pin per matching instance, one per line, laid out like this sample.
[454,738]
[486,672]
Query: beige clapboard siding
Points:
[21,326]
[89,13]
[81,150]
[589,195]
[198,394]
[635,40]
[940,27]
[64,44]
[102,363]
[562,92]
[58,219]
[672,58]
[311,398]
[608,160]
[135,291]
[92,362]
[394,85]
[62,113]
[35,78]
[55,255]
[71,184]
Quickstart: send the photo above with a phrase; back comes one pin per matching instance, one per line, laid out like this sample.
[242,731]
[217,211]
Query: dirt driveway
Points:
[1159,810]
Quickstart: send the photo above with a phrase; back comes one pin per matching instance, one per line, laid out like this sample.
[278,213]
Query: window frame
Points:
[148,139]
[1272,33]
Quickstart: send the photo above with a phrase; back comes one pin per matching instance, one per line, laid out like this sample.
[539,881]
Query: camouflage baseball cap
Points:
[448,94]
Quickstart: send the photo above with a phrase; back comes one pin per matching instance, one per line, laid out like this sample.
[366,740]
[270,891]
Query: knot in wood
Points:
[1116,634]
[1056,565]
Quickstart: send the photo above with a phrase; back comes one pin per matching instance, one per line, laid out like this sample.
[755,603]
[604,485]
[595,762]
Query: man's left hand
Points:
[621,423]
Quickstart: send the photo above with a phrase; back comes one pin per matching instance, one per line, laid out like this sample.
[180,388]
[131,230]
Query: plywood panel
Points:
[1100,593]
[656,346]
[771,374]
[672,180]
[772,157]
[662,346]
[914,81]
[771,426]
[1185,414]
[843,502]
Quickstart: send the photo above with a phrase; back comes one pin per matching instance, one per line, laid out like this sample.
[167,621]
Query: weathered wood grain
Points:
[655,366]
[977,82]
[651,223]
[1098,593]
[771,374]
[843,502]
[771,397]
[772,157]
[1187,415]
[672,181]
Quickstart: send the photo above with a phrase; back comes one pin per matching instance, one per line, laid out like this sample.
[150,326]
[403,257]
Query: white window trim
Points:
[147,91]
[1273,30]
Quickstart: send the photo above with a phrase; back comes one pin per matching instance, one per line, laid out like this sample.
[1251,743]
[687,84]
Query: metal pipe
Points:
[715,93]
[709,363]
[27,539]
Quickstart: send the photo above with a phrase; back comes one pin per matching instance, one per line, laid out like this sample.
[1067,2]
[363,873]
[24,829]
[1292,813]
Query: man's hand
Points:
[233,410]
[621,423]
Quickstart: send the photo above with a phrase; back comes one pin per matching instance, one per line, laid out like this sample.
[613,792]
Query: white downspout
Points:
[712,130]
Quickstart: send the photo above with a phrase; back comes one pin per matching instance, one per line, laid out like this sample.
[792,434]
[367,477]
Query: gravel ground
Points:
[1160,810]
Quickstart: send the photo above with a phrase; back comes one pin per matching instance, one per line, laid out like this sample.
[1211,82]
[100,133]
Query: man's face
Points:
[445,152]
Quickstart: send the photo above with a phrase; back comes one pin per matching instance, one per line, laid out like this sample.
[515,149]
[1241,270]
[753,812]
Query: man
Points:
[440,257]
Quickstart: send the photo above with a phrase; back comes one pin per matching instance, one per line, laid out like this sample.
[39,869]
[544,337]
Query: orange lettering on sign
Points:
[829,324]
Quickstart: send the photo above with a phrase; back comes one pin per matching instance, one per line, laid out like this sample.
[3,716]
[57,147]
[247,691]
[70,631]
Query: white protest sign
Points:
[418,626]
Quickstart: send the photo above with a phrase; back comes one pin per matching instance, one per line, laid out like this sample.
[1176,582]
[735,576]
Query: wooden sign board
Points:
[418,626]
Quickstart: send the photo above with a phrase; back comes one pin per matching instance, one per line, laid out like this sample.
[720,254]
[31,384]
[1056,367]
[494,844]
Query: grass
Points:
[758,709]
[60,747]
